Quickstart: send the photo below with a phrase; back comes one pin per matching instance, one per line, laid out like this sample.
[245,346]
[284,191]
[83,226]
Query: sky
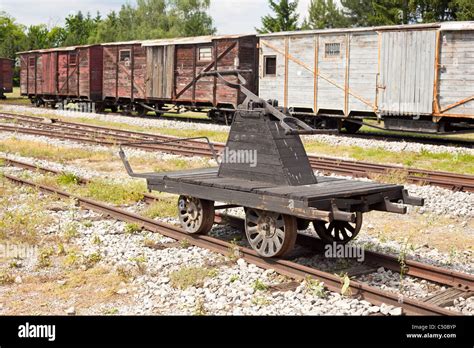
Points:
[230,16]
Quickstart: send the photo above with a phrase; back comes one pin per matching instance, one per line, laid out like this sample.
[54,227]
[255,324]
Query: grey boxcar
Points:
[415,77]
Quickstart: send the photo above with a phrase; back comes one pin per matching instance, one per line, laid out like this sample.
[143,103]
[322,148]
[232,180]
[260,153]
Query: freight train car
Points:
[414,77]
[69,74]
[154,74]
[6,77]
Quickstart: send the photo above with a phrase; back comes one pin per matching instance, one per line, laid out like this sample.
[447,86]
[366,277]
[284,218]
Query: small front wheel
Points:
[338,231]
[270,234]
[196,215]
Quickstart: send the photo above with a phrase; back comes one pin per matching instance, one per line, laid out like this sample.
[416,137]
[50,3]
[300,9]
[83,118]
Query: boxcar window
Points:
[270,65]
[333,49]
[31,61]
[125,55]
[73,59]
[205,53]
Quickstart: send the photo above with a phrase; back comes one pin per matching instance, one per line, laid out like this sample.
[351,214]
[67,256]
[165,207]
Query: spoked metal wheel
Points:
[338,231]
[196,215]
[270,234]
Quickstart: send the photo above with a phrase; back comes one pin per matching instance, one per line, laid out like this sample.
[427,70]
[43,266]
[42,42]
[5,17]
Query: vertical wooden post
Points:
[316,73]
[377,80]
[132,69]
[436,74]
[286,72]
[116,71]
[195,57]
[346,84]
[214,88]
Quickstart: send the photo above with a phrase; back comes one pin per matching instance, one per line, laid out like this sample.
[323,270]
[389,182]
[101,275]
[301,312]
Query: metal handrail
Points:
[128,167]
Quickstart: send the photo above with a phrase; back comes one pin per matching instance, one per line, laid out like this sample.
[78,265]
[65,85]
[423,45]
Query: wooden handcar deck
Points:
[316,201]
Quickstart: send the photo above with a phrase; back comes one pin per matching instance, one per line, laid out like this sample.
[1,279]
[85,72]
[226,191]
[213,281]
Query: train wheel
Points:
[114,108]
[39,102]
[338,231]
[141,110]
[351,127]
[302,224]
[196,215]
[270,234]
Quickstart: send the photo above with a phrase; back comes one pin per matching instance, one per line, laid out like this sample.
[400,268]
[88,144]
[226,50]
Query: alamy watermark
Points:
[346,251]
[249,157]
[19,251]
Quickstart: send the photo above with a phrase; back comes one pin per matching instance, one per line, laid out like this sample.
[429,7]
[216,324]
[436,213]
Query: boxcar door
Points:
[159,72]
[407,72]
[49,65]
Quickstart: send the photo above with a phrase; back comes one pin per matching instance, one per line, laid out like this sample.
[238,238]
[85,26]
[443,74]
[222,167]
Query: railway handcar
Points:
[69,74]
[146,76]
[414,77]
[6,77]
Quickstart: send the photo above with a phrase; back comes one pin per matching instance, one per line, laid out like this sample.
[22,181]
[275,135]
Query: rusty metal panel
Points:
[63,70]
[24,74]
[49,73]
[6,75]
[124,70]
[110,71]
[159,73]
[456,73]
[407,72]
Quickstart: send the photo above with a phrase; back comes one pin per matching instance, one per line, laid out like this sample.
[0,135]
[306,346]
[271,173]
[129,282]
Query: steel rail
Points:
[106,136]
[459,280]
[284,267]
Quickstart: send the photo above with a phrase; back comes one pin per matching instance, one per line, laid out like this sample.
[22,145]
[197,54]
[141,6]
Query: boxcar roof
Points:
[191,40]
[57,49]
[441,26]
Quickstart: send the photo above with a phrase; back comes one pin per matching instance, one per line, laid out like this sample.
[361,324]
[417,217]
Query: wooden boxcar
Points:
[414,77]
[147,75]
[62,74]
[6,77]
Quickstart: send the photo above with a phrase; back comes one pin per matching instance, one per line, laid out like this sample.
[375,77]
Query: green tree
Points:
[37,37]
[79,28]
[194,18]
[363,13]
[324,14]
[286,18]
[12,36]
[463,10]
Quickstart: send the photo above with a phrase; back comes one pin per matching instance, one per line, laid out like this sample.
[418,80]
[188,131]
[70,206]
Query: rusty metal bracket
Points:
[341,215]
[407,199]
[394,208]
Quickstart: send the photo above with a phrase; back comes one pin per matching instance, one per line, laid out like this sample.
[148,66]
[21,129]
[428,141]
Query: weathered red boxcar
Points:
[6,76]
[147,75]
[53,75]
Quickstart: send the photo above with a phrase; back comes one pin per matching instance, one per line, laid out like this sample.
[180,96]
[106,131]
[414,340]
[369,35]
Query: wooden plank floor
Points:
[327,187]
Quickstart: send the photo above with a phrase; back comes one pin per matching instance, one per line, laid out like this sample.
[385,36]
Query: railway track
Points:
[460,284]
[108,136]
[376,135]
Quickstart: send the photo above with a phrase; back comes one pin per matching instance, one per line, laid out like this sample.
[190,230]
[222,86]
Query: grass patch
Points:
[42,150]
[21,224]
[165,207]
[6,279]
[68,179]
[191,276]
[456,163]
[132,228]
[258,285]
[119,194]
